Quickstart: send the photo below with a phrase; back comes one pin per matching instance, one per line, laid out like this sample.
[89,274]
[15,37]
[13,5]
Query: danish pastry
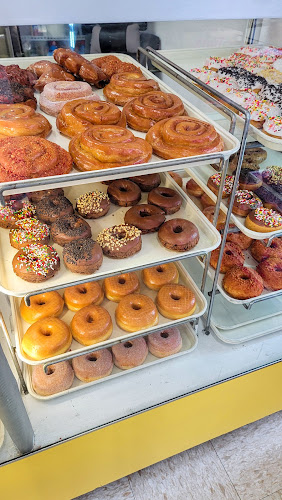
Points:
[125,86]
[19,119]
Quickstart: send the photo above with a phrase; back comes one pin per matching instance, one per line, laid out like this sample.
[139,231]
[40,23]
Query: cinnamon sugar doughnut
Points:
[165,343]
[239,239]
[158,276]
[59,378]
[175,301]
[93,366]
[78,296]
[42,306]
[232,256]
[91,324]
[130,354]
[117,287]
[242,283]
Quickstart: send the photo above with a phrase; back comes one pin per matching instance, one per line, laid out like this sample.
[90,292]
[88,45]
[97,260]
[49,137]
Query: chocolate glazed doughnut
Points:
[147,182]
[179,235]
[70,228]
[124,193]
[48,210]
[147,218]
[83,256]
[165,198]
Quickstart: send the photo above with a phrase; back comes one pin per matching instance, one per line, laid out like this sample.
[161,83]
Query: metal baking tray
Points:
[152,252]
[231,143]
[118,334]
[189,343]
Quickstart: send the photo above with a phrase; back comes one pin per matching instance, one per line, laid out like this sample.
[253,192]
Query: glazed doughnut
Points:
[242,283]
[130,354]
[175,301]
[125,86]
[239,239]
[136,312]
[124,193]
[117,287]
[91,324]
[271,272]
[165,198]
[232,256]
[46,338]
[93,366]
[13,211]
[42,306]
[48,210]
[29,231]
[69,228]
[209,213]
[36,263]
[37,196]
[179,235]
[147,218]
[214,183]
[260,251]
[119,242]
[158,276]
[56,94]
[264,220]
[147,182]
[21,120]
[83,256]
[250,181]
[59,378]
[93,205]
[207,201]
[79,296]
[165,343]
[194,189]
[177,178]
[244,202]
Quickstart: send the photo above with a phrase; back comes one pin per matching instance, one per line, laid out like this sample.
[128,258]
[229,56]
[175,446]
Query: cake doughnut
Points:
[46,338]
[158,276]
[179,235]
[93,205]
[130,354]
[165,343]
[14,211]
[79,296]
[83,256]
[69,228]
[147,182]
[271,272]
[136,312]
[36,263]
[119,242]
[260,251]
[214,183]
[91,324]
[124,193]
[209,213]
[232,256]
[59,378]
[37,196]
[206,201]
[250,181]
[29,231]
[194,189]
[147,218]
[239,239]
[177,178]
[93,366]
[117,287]
[42,306]
[264,220]
[48,210]
[175,301]
[244,202]
[56,94]
[242,283]
[165,198]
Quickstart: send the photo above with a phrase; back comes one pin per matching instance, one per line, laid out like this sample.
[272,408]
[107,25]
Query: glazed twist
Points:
[182,136]
[79,66]
[19,119]
[108,146]
[125,86]
[78,115]
[48,72]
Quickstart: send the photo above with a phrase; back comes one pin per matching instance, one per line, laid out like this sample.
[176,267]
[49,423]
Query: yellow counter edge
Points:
[97,458]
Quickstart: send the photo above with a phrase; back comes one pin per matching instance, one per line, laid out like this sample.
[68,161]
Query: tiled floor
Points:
[245,464]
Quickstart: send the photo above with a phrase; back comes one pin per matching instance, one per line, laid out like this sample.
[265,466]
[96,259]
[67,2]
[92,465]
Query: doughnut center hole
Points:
[40,303]
[245,277]
[278,269]
[89,318]
[82,290]
[47,334]
[143,213]
[167,195]
[178,229]
[164,335]
[49,371]
[127,345]
[123,189]
[121,281]
[92,357]
[136,307]
[160,269]
[175,297]
[120,236]
[228,252]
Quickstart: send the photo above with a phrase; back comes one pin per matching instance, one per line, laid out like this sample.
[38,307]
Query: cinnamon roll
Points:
[125,86]
[19,119]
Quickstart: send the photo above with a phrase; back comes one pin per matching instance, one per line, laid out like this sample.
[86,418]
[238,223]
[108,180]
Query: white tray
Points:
[189,343]
[152,252]
[248,332]
[118,334]
[231,143]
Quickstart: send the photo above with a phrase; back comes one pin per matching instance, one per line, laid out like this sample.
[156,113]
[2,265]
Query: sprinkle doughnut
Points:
[29,231]
[165,343]
[232,256]
[14,211]
[93,205]
[264,220]
[36,263]
[59,377]
[82,256]
[93,366]
[165,198]
[91,324]
[117,287]
[214,183]
[46,338]
[79,296]
[124,193]
[242,283]
[194,189]
[147,182]
[42,306]
[136,312]
[179,235]
[69,228]
[260,251]
[130,354]
[175,301]
[244,202]
[271,272]
[158,276]
[119,242]
[239,239]
[147,218]
[37,196]
[48,210]
[273,126]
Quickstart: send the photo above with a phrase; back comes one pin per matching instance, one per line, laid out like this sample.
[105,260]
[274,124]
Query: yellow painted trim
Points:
[82,464]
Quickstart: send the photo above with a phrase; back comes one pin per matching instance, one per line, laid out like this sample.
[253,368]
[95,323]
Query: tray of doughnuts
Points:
[132,310]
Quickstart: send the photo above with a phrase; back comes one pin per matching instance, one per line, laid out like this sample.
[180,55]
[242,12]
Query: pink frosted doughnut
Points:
[59,378]
[56,94]
[165,343]
[93,366]
[130,353]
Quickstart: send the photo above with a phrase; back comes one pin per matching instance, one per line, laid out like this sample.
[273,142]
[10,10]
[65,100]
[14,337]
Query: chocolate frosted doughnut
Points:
[165,198]
[82,256]
[93,205]
[179,235]
[120,241]
[124,193]
[147,218]
[37,196]
[147,182]
[48,210]
[69,228]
